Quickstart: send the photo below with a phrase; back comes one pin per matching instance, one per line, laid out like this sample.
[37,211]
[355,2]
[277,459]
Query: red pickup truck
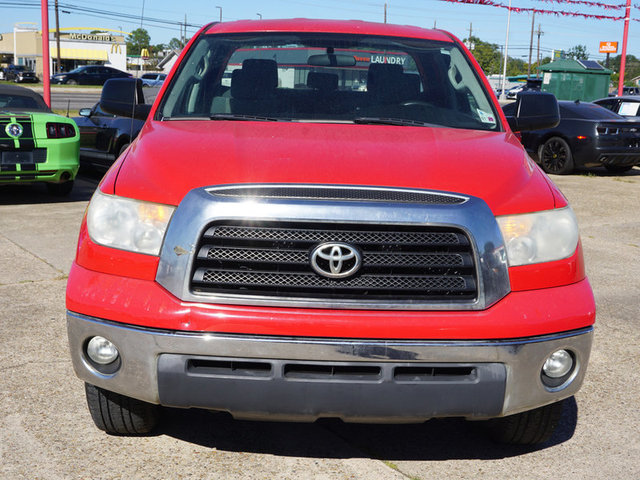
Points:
[329,219]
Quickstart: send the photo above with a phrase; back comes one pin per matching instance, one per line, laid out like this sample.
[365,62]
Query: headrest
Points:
[384,81]
[256,79]
[325,82]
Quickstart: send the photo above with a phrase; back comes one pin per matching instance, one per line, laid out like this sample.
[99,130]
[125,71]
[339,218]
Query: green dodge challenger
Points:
[36,145]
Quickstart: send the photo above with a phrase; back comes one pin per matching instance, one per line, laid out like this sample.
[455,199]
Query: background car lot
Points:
[45,430]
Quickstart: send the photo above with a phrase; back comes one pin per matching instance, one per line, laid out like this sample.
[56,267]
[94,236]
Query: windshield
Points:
[328,78]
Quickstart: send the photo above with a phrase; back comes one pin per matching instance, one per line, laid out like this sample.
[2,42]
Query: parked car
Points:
[35,144]
[153,79]
[3,75]
[289,248]
[103,136]
[626,106]
[20,74]
[88,75]
[588,135]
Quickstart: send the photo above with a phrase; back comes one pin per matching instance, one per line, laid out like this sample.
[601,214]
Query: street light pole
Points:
[506,55]
[220,8]
[260,15]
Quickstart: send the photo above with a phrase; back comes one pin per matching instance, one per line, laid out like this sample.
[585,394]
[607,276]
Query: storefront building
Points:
[78,47]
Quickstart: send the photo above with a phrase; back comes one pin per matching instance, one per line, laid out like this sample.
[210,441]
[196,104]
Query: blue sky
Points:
[488,22]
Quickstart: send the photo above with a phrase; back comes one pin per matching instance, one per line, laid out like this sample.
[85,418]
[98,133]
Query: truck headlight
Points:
[127,224]
[539,237]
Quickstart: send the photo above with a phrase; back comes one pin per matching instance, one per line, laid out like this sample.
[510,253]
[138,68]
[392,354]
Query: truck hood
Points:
[172,157]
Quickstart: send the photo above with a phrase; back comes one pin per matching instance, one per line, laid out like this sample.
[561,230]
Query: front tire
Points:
[555,156]
[72,82]
[526,428]
[120,415]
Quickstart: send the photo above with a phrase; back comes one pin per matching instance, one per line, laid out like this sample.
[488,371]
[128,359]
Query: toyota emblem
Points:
[335,260]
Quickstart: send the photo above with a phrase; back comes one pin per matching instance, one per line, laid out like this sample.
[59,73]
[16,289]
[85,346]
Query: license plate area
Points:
[17,158]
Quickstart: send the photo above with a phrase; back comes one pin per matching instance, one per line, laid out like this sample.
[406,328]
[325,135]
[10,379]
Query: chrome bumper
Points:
[154,368]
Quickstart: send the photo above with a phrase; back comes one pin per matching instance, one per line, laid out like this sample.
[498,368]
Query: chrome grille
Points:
[308,192]
[273,259]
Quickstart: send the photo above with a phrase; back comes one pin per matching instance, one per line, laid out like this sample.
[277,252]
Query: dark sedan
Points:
[103,137]
[88,75]
[587,136]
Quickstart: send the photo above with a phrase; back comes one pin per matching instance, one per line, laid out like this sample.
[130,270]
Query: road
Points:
[46,431]
[72,101]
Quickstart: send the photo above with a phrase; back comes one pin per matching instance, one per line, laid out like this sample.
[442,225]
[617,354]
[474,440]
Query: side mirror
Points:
[534,111]
[124,97]
[84,112]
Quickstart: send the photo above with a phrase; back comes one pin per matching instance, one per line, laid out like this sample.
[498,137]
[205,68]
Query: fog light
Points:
[102,351]
[558,364]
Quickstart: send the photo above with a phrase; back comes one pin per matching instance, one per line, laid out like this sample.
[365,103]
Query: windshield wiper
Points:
[242,117]
[392,121]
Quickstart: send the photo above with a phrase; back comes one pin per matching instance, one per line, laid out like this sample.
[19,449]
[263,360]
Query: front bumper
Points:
[304,378]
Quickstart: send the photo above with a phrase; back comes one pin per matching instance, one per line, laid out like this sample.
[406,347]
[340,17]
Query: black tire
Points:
[122,149]
[120,415]
[60,189]
[555,156]
[526,428]
[618,169]
[71,81]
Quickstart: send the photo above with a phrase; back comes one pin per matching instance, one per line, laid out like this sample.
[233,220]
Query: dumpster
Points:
[570,79]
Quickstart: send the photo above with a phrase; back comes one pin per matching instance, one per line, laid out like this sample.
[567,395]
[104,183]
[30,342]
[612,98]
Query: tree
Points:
[175,44]
[487,54]
[137,40]
[155,49]
[631,69]
[579,52]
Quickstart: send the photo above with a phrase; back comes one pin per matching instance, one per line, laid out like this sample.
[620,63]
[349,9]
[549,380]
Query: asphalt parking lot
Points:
[46,431]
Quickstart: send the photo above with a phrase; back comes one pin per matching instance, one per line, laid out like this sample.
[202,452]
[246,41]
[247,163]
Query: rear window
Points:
[328,78]
[10,102]
[589,111]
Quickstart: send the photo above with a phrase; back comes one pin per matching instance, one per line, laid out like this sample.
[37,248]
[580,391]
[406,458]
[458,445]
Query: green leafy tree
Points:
[487,54]
[579,52]
[175,44]
[631,69]
[155,49]
[137,40]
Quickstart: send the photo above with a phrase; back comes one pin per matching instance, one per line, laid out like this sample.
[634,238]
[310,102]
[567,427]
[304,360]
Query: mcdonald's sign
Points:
[116,48]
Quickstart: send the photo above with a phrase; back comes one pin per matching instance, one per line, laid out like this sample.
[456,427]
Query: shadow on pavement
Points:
[440,439]
[37,193]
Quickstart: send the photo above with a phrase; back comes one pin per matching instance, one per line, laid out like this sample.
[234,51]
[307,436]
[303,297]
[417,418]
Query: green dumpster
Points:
[570,79]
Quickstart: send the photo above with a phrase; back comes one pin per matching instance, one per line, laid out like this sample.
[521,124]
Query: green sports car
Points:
[36,145]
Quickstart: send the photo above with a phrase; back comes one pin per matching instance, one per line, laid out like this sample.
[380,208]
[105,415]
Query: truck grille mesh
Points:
[269,259]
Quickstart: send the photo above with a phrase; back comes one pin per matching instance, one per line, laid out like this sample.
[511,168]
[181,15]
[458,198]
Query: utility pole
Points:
[434,24]
[533,19]
[470,31]
[58,64]
[385,12]
[539,33]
